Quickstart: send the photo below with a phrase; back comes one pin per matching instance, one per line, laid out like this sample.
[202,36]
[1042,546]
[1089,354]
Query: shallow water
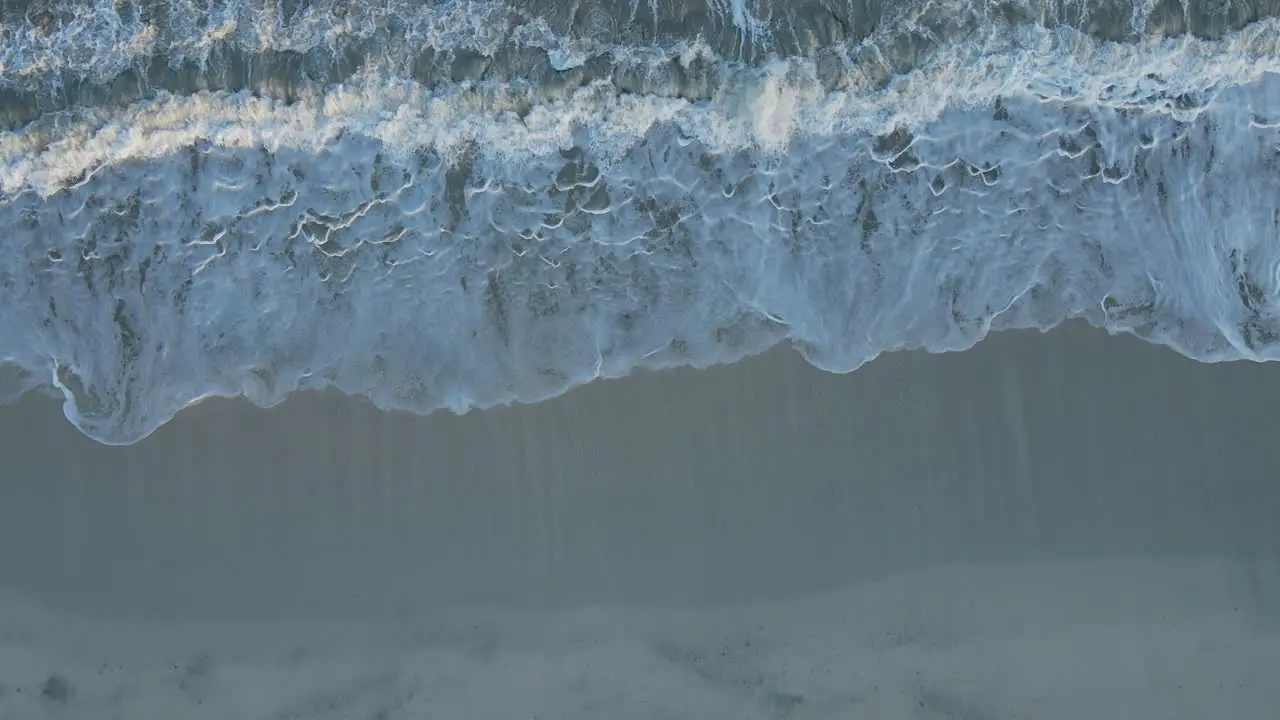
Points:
[1055,526]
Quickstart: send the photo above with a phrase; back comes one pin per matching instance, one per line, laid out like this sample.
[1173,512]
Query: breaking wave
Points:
[469,204]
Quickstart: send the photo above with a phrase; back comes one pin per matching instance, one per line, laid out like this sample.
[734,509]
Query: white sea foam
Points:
[99,39]
[466,245]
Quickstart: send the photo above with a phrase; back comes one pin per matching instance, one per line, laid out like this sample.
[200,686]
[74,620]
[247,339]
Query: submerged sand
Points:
[1047,526]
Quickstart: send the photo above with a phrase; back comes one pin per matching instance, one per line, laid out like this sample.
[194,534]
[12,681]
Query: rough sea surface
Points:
[464,204]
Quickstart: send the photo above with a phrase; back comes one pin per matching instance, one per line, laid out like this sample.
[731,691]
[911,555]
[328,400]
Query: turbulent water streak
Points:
[465,204]
[56,55]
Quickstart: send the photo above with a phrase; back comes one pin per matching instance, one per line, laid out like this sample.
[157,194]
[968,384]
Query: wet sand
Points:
[1069,483]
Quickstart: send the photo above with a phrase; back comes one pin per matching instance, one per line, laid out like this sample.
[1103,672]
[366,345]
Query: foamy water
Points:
[464,204]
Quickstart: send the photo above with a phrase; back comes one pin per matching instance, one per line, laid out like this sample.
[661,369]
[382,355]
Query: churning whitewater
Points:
[463,204]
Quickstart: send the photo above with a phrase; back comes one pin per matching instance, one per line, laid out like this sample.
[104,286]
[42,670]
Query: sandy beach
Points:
[1046,526]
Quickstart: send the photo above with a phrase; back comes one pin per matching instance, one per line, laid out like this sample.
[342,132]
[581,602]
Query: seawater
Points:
[465,204]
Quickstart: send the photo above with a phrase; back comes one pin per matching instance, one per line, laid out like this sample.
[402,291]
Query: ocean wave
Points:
[61,54]
[467,244]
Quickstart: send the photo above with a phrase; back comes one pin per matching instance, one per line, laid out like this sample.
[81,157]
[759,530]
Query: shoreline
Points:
[1053,526]
[676,488]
